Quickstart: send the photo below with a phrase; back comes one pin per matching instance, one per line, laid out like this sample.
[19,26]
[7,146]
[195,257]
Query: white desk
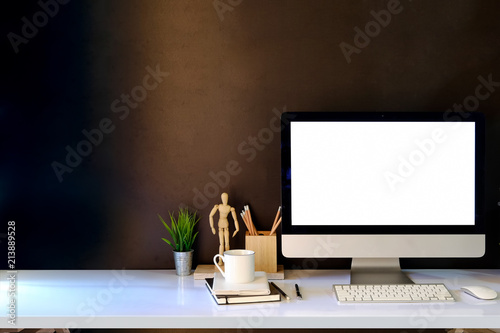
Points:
[160,299]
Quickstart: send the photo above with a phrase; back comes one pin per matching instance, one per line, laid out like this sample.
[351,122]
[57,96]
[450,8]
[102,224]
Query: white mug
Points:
[239,265]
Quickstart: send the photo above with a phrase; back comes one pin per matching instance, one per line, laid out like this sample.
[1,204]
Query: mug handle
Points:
[216,264]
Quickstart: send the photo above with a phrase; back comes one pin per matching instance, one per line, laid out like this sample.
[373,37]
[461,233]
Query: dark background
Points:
[227,73]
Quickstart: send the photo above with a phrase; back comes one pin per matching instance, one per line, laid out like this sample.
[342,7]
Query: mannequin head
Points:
[224,197]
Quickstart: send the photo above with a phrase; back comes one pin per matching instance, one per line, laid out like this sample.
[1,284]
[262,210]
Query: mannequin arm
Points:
[211,218]
[236,224]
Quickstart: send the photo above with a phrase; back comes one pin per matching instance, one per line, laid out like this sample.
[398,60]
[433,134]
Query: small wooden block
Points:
[204,272]
[207,271]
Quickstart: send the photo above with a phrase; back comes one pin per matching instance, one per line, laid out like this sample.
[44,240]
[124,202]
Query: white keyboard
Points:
[398,293]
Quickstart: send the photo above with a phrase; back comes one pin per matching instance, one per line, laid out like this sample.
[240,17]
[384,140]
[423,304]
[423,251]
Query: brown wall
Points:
[229,74]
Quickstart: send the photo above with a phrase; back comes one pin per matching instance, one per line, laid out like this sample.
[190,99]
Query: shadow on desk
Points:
[247,330]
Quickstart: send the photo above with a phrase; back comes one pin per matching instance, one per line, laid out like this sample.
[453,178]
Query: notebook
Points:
[274,296]
[259,286]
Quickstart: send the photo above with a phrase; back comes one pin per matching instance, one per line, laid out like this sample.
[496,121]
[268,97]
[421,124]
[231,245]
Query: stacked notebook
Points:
[259,290]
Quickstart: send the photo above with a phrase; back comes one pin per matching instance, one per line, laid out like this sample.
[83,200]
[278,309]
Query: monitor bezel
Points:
[289,117]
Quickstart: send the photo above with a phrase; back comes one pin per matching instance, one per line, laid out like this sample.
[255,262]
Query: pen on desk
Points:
[299,296]
[281,291]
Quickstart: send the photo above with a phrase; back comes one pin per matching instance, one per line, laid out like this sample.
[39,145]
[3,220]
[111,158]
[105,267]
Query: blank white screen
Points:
[382,173]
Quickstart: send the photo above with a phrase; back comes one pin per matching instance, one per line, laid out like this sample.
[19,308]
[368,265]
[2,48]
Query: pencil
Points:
[251,221]
[277,215]
[244,220]
[280,291]
[275,226]
[275,221]
[247,218]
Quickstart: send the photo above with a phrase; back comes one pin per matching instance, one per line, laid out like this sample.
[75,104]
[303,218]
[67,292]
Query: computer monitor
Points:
[379,186]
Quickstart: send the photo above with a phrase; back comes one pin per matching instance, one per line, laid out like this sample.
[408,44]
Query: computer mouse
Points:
[480,292]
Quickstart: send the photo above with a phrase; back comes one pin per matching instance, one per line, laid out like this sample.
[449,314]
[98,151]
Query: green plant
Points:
[181,230]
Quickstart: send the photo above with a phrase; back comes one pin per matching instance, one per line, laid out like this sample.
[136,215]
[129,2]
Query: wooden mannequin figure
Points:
[224,210]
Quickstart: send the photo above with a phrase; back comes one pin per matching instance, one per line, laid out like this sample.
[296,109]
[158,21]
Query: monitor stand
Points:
[377,271]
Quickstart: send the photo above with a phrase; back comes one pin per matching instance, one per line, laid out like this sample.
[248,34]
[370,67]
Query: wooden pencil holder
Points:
[264,247]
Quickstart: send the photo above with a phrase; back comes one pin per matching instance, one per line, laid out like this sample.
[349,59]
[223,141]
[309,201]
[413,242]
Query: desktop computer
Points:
[379,186]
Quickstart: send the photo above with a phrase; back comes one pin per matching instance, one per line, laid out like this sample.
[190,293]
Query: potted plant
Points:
[182,233]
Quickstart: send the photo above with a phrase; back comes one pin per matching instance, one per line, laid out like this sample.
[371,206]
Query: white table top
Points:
[160,299]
